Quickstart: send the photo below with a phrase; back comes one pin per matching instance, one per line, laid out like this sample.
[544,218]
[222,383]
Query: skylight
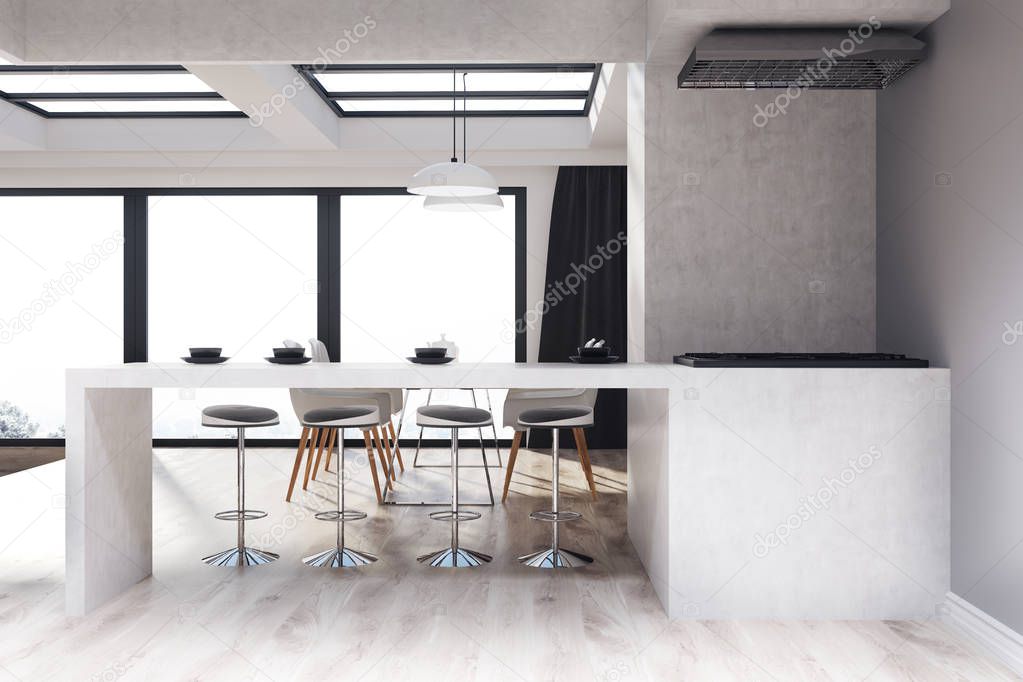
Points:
[131,106]
[426,90]
[111,91]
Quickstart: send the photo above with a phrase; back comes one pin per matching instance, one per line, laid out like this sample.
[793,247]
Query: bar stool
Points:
[362,417]
[555,418]
[454,417]
[240,417]
[419,440]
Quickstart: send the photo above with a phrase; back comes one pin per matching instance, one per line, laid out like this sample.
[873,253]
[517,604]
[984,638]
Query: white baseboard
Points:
[994,636]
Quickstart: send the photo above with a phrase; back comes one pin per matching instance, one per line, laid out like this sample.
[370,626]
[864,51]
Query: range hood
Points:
[863,58]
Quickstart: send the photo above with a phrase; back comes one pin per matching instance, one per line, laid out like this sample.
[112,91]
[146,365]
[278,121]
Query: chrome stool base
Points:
[339,557]
[455,557]
[556,558]
[241,556]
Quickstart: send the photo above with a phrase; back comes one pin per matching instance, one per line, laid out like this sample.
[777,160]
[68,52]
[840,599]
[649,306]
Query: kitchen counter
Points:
[753,493]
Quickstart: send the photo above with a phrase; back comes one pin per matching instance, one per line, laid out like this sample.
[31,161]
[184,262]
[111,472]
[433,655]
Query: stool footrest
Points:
[347,515]
[555,517]
[240,515]
[458,516]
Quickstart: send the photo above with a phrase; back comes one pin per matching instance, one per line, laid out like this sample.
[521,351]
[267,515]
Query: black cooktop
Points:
[798,360]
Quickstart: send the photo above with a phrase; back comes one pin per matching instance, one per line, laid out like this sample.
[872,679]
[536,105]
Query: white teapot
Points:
[450,346]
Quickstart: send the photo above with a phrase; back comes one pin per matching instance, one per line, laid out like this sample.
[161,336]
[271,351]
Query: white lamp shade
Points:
[486,202]
[452,179]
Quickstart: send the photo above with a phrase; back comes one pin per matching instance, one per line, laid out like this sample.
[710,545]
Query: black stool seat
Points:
[452,416]
[557,416]
[342,415]
[239,416]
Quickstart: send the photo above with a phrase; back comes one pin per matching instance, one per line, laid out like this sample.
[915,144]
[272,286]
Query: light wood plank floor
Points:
[397,620]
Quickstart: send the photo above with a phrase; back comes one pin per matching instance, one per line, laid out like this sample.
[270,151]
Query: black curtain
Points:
[585,292]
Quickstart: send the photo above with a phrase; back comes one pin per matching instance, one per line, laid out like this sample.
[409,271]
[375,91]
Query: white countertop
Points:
[408,375]
[378,375]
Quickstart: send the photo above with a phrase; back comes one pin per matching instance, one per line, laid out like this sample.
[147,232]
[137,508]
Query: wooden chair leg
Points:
[372,466]
[511,463]
[397,450]
[386,442]
[298,462]
[584,459]
[380,454]
[313,441]
[330,446]
[326,433]
[332,436]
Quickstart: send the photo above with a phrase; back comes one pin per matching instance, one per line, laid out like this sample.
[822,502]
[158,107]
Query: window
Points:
[489,90]
[240,269]
[62,281]
[409,275]
[98,91]
[238,272]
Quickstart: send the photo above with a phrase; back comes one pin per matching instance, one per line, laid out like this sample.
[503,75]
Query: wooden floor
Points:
[15,459]
[397,620]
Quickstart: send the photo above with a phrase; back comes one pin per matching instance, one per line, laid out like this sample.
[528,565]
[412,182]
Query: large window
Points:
[61,278]
[238,272]
[410,276]
[93,278]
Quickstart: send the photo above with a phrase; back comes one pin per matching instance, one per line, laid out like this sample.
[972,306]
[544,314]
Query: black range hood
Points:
[860,58]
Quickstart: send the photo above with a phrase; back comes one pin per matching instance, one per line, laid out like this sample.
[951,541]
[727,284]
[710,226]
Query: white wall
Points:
[950,271]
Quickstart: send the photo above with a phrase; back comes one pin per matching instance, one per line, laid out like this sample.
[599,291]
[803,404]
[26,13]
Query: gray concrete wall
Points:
[758,238]
[270,30]
[12,27]
[950,273]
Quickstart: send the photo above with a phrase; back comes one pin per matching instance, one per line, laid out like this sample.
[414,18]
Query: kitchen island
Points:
[753,493]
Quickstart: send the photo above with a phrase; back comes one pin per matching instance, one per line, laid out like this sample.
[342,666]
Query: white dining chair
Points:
[519,400]
[319,353]
[314,441]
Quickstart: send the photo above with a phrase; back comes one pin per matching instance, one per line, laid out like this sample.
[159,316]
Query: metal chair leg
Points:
[555,556]
[454,556]
[493,427]
[419,443]
[240,555]
[340,556]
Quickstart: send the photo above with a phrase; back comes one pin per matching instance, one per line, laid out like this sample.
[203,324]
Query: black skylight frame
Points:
[309,73]
[22,99]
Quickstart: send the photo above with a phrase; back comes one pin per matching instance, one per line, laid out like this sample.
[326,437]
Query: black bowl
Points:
[205,352]
[601,352]
[431,352]
[289,352]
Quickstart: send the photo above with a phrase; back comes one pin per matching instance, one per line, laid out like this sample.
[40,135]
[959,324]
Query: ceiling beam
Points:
[276,99]
[608,113]
[20,129]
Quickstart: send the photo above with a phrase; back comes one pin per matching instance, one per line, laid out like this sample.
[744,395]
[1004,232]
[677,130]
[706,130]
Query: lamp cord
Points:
[454,116]
[465,119]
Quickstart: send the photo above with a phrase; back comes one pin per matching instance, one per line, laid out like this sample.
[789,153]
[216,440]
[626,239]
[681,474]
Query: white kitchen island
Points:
[753,493]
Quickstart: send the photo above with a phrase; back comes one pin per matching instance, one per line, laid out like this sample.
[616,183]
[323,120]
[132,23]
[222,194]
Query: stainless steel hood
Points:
[865,57]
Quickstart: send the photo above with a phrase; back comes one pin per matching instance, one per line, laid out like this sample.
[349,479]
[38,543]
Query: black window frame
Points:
[328,258]
[24,99]
[309,72]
